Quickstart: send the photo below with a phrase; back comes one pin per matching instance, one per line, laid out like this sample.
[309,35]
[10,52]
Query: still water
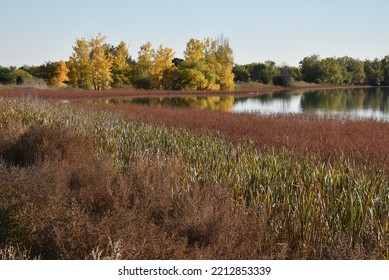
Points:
[356,103]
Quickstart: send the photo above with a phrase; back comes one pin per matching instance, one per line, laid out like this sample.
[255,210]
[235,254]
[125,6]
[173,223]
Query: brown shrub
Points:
[38,144]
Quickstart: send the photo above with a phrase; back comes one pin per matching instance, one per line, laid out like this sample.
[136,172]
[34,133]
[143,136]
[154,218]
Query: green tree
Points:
[46,71]
[192,79]
[373,72]
[20,75]
[6,75]
[19,80]
[296,73]
[194,75]
[284,78]
[385,70]
[310,69]
[263,72]
[255,70]
[241,73]
[330,71]
[353,70]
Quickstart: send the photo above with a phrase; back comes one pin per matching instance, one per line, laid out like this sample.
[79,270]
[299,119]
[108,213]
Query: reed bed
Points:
[278,198]
[363,141]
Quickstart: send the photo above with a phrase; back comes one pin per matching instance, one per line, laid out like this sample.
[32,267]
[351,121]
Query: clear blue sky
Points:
[32,32]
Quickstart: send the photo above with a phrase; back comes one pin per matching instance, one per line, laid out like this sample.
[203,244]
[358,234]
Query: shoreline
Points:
[131,93]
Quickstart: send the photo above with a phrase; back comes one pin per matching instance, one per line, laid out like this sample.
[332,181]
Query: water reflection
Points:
[272,103]
[225,103]
[346,100]
[360,103]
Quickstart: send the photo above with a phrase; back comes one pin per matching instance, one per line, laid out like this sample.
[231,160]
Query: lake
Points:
[355,103]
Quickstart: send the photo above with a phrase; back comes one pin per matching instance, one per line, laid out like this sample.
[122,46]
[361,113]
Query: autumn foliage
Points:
[98,66]
[61,75]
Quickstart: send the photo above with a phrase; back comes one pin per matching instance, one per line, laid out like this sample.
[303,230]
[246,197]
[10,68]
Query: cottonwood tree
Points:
[61,75]
[90,64]
[208,65]
[141,74]
[162,64]
[80,73]
[192,75]
[195,72]
[120,66]
[194,50]
[101,63]
[224,56]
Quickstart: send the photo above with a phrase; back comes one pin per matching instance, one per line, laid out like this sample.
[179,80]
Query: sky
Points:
[34,32]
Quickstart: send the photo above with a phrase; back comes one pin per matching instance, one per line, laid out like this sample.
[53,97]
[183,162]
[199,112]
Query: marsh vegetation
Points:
[93,182]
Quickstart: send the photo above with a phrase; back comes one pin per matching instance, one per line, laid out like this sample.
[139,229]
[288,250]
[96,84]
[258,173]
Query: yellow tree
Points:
[120,66]
[61,75]
[101,63]
[141,74]
[90,64]
[220,57]
[80,65]
[194,50]
[198,69]
[214,59]
[210,47]
[162,63]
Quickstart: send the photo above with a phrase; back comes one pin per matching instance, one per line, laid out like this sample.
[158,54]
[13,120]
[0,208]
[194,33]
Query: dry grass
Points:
[9,252]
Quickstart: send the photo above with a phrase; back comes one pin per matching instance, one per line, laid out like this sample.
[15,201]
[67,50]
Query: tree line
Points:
[207,65]
[312,69]
[96,65]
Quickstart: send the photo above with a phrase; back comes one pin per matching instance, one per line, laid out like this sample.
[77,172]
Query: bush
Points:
[285,77]
[38,144]
[19,80]
[283,80]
